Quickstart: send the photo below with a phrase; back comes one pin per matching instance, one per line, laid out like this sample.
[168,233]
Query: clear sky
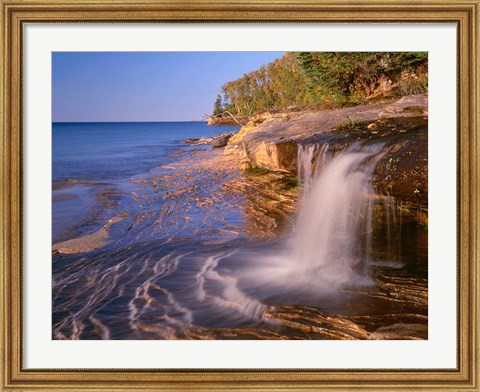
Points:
[144,86]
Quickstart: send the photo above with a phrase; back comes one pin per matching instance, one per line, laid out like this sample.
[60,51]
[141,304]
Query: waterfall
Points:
[330,246]
[334,225]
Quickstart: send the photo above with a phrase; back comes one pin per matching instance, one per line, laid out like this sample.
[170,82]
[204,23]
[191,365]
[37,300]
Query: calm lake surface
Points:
[112,153]
[118,151]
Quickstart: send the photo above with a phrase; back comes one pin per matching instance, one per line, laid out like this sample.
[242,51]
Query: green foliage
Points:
[218,106]
[275,85]
[288,182]
[257,170]
[351,125]
[318,77]
[357,75]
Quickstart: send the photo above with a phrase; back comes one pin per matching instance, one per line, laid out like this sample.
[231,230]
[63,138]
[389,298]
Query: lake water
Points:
[152,240]
[118,151]
[111,154]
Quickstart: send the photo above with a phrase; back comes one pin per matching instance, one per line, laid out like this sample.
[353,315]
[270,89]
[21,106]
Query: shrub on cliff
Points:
[317,77]
[341,76]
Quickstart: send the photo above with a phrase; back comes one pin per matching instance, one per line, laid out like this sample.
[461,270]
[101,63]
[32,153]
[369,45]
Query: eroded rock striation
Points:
[270,141]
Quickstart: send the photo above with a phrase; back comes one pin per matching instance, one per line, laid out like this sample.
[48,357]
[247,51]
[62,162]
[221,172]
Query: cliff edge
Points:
[271,141]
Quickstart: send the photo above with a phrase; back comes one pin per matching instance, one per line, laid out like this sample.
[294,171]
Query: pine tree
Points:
[218,106]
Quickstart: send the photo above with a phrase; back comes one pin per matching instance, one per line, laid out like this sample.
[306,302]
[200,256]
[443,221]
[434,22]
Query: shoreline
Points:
[259,170]
[205,205]
[270,191]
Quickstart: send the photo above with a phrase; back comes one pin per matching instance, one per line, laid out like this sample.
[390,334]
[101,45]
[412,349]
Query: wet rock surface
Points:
[248,195]
[209,193]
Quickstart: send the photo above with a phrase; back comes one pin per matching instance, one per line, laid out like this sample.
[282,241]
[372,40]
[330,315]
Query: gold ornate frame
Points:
[15,13]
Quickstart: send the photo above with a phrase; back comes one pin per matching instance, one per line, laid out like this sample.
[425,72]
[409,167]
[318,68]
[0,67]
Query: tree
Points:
[339,76]
[312,77]
[218,106]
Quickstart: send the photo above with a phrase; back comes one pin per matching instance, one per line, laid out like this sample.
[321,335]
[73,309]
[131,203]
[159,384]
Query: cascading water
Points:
[334,225]
[331,242]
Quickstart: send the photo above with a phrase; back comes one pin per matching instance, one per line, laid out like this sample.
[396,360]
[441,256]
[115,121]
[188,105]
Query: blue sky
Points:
[144,86]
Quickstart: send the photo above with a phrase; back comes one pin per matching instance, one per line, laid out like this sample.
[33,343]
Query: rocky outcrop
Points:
[270,141]
[227,120]
[221,140]
[216,141]
[196,141]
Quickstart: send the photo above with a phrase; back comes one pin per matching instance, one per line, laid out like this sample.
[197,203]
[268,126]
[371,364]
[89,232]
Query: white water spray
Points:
[330,245]
[333,229]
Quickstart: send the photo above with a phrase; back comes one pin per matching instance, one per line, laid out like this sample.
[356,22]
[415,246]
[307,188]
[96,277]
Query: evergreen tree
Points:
[218,106]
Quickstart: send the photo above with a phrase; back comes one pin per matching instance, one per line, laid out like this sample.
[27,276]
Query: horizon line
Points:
[106,122]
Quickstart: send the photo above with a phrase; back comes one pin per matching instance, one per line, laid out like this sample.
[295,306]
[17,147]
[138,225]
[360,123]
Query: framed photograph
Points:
[256,196]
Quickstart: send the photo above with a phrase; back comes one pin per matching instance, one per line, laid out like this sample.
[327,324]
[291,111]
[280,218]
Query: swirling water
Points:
[176,258]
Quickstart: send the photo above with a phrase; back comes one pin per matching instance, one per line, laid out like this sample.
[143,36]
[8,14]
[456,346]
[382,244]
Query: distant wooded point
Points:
[305,78]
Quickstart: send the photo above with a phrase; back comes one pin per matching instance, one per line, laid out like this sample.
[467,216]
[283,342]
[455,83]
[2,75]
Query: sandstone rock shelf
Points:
[270,141]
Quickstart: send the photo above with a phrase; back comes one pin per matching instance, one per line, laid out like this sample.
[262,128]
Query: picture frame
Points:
[16,14]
